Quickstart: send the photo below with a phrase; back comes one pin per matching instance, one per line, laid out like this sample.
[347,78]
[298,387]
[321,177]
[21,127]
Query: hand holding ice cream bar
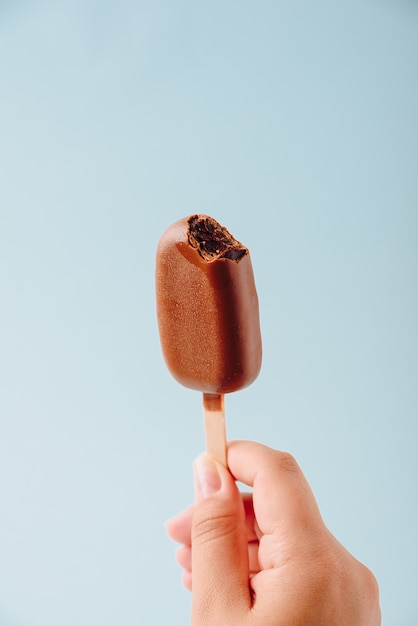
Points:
[207,309]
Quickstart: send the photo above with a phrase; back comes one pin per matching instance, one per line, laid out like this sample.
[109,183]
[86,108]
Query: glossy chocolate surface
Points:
[207,307]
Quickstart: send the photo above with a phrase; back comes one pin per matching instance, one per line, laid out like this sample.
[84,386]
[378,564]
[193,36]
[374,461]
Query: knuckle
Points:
[287,462]
[213,527]
[371,585]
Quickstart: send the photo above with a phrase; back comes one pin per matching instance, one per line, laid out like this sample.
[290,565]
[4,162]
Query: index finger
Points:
[282,497]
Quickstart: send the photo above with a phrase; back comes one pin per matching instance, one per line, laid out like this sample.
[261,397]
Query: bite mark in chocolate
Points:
[212,240]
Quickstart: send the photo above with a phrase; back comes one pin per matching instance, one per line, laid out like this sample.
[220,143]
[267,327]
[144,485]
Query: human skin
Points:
[266,558]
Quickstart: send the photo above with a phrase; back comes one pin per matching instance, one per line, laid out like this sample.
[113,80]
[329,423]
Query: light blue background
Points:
[294,123]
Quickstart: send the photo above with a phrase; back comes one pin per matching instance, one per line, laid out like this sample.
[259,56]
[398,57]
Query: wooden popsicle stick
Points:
[215,428]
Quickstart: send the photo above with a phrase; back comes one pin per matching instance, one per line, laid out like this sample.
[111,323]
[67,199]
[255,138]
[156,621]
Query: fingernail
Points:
[207,478]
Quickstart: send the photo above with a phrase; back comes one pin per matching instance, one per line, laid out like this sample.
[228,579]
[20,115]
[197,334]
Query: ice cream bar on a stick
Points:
[207,309]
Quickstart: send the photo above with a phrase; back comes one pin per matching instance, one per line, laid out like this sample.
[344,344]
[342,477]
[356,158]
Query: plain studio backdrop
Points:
[294,124]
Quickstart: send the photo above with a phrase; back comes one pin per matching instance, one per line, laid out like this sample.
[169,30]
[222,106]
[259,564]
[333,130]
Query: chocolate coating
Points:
[207,307]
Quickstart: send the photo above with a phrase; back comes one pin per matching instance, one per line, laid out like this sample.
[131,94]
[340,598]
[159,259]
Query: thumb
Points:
[219,547]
